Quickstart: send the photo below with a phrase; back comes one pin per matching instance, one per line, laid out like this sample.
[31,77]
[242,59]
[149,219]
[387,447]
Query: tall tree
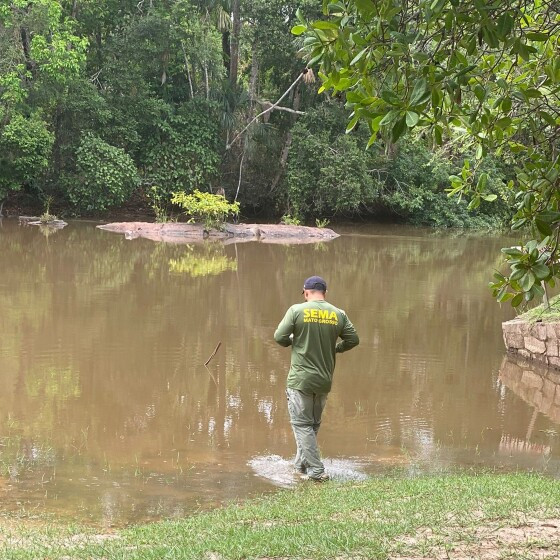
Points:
[41,56]
[234,40]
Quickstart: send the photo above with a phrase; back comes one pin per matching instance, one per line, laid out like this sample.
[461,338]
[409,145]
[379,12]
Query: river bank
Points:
[446,516]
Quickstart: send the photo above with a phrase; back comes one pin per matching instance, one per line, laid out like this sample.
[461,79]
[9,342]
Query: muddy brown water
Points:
[108,416]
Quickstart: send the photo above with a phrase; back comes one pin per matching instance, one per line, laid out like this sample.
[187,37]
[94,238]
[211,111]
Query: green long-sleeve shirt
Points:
[316,327]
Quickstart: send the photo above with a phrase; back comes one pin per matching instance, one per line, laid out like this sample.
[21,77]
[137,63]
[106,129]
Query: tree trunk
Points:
[390,149]
[234,42]
[226,55]
[252,99]
[296,103]
[283,160]
[253,81]
[187,69]
[99,47]
[206,82]
[190,81]
[59,133]
[193,78]
[26,46]
[240,174]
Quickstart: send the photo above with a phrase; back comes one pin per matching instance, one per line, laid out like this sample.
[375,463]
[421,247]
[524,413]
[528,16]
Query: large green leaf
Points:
[390,117]
[420,93]
[398,129]
[358,56]
[504,25]
[412,118]
[536,36]
[541,271]
[512,252]
[527,281]
[543,226]
[366,6]
[321,24]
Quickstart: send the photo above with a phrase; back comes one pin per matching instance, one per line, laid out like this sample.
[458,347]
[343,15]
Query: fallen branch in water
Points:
[210,374]
[213,353]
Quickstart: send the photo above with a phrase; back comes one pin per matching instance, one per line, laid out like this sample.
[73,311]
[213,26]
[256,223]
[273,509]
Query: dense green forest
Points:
[120,103]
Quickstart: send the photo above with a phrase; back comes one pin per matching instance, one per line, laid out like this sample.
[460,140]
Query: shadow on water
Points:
[107,414]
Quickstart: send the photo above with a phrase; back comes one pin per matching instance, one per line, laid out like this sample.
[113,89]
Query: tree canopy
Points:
[469,74]
[112,104]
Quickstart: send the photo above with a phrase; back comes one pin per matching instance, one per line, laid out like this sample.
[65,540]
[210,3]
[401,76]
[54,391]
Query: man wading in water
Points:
[312,329]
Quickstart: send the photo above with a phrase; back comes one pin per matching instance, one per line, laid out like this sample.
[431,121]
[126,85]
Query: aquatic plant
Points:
[19,455]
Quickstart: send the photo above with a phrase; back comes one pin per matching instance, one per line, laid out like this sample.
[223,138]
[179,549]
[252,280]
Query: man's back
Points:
[312,329]
[316,326]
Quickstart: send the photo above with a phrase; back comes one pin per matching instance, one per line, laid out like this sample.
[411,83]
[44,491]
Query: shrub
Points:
[158,202]
[416,183]
[289,220]
[211,209]
[105,176]
[327,170]
[330,173]
[46,216]
[184,155]
[25,146]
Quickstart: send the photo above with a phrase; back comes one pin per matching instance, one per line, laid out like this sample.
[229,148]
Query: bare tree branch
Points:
[278,107]
[294,83]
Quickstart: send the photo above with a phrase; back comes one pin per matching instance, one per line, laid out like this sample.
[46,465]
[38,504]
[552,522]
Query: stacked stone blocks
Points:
[533,341]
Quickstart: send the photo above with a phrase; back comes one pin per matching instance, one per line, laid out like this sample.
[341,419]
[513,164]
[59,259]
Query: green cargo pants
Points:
[305,416]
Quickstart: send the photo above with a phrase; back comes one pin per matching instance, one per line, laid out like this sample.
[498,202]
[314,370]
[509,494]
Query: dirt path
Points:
[529,539]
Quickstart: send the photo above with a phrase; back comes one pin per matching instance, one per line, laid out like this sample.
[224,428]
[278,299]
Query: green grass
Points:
[375,519]
[548,313]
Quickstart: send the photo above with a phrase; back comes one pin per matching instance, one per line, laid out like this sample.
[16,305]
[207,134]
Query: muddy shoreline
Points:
[175,232]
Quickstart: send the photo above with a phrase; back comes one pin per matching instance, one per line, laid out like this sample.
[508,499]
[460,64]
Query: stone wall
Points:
[534,341]
[536,384]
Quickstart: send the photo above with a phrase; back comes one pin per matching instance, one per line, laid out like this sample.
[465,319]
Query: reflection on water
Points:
[539,387]
[536,385]
[209,259]
[107,413]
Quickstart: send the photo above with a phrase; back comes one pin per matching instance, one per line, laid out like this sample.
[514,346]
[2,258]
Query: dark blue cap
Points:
[315,283]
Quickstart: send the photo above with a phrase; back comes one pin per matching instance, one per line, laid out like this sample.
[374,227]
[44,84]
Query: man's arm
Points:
[349,337]
[285,329]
